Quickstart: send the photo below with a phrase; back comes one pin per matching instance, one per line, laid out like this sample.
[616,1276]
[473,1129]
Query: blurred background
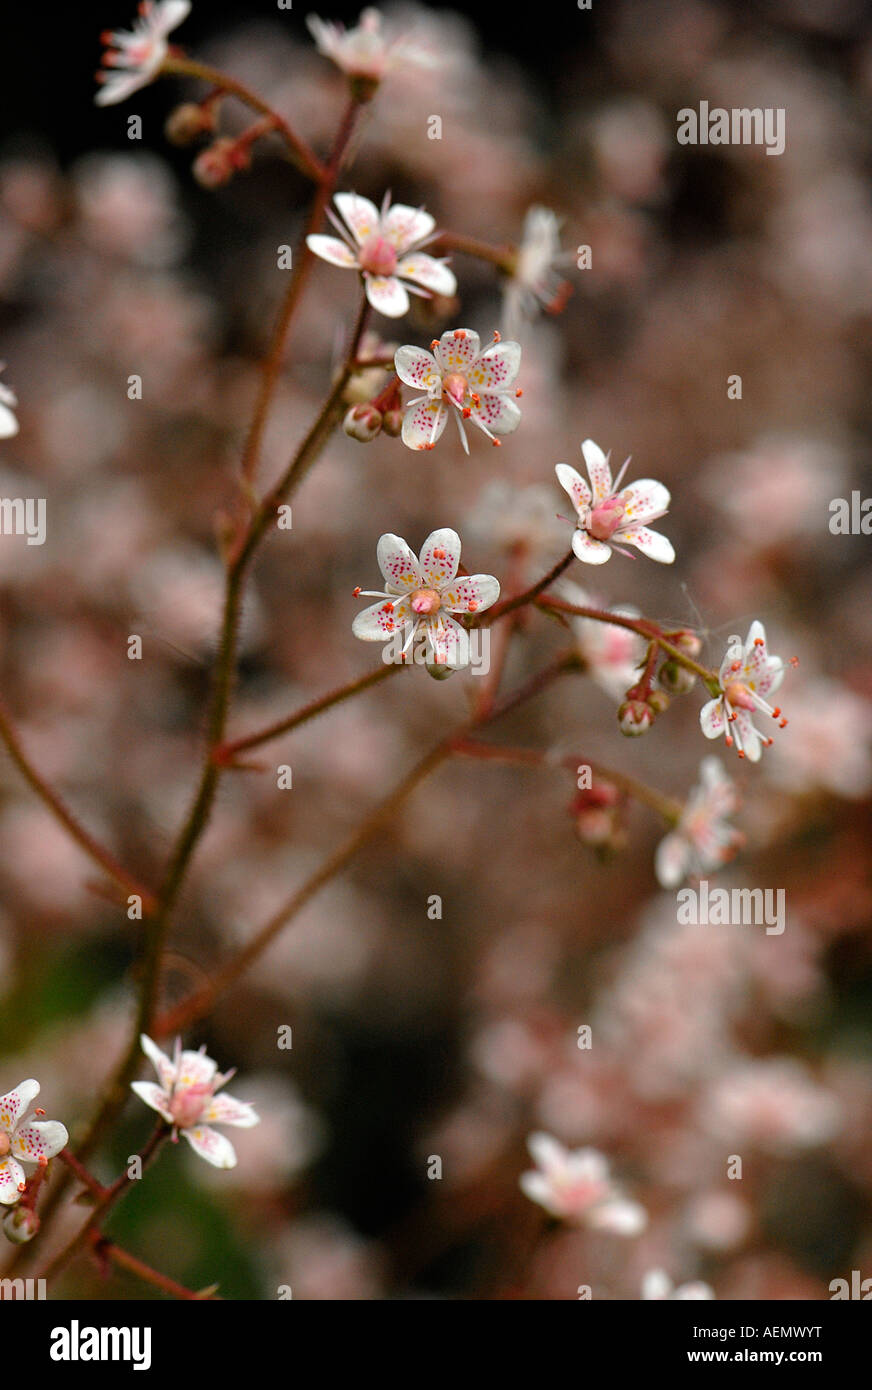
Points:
[455,1037]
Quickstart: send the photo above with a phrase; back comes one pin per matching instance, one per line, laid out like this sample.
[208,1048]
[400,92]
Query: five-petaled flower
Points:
[703,838]
[575,1185]
[34,1142]
[8,402]
[423,594]
[535,281]
[138,54]
[747,675]
[381,245]
[187,1100]
[479,385]
[366,52]
[610,519]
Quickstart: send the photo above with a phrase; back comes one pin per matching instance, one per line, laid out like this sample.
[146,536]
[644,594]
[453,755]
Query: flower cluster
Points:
[24,1140]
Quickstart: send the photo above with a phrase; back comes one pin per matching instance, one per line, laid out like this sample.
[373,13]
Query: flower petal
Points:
[591,551]
[671,860]
[573,483]
[195,1069]
[39,1139]
[746,736]
[498,413]
[209,1144]
[423,424]
[651,543]
[14,1105]
[331,249]
[458,348]
[387,295]
[598,471]
[547,1152]
[11,1176]
[449,642]
[403,226]
[427,271]
[360,215]
[398,563]
[8,423]
[440,556]
[621,1217]
[417,367]
[645,500]
[381,620]
[225,1110]
[163,1065]
[711,717]
[154,1097]
[496,368]
[471,594]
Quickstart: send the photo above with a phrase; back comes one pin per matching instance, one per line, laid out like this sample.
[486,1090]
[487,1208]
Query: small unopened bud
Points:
[187,122]
[363,422]
[217,164]
[20,1225]
[658,701]
[392,423]
[635,717]
[676,678]
[440,672]
[688,642]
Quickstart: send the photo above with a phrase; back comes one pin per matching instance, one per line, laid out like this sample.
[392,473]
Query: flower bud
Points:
[217,164]
[392,423]
[658,701]
[688,642]
[363,422]
[441,672]
[187,122]
[20,1225]
[635,717]
[675,678]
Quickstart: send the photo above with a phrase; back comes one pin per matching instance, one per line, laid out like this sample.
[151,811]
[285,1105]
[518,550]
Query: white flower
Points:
[424,594]
[366,51]
[457,373]
[575,1185]
[34,1142]
[611,655]
[138,54]
[381,246]
[773,1102]
[657,1285]
[187,1100]
[535,283]
[702,839]
[747,674]
[8,402]
[610,519]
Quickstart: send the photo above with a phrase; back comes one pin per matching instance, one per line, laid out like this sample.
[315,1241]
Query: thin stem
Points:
[176,65]
[503,257]
[530,595]
[643,626]
[226,753]
[106,1249]
[95,851]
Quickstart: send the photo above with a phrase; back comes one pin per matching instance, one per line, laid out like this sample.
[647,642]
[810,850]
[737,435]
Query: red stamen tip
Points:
[466,412]
[497,443]
[497,336]
[518,394]
[355,593]
[434,345]
[741,754]
[758,642]
[782,723]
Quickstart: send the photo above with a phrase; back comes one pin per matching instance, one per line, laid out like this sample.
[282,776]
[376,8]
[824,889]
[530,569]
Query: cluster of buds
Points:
[216,165]
[640,708]
[366,420]
[599,817]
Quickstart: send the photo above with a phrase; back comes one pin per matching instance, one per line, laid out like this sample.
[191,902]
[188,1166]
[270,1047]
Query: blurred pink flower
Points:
[575,1185]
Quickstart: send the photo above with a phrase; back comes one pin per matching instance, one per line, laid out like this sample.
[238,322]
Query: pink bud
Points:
[363,422]
[635,717]
[606,518]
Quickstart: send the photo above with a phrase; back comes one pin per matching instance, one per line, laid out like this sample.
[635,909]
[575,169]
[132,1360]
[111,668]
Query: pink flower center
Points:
[739,695]
[426,601]
[5,1144]
[187,1105]
[606,518]
[455,387]
[378,256]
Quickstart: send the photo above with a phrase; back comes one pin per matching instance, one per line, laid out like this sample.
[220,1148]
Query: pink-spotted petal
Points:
[163,1065]
[398,564]
[360,215]
[209,1144]
[39,1139]
[14,1105]
[449,642]
[440,556]
[573,483]
[496,369]
[645,500]
[380,621]
[417,367]
[387,296]
[154,1097]
[499,414]
[746,736]
[403,226]
[712,720]
[589,550]
[651,543]
[473,593]
[11,1178]
[224,1110]
[427,271]
[195,1069]
[458,349]
[423,424]
[598,471]
[331,249]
